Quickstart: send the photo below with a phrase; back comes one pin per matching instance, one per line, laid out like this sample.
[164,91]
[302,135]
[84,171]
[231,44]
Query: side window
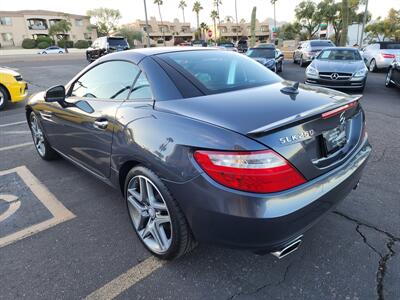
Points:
[109,80]
[141,89]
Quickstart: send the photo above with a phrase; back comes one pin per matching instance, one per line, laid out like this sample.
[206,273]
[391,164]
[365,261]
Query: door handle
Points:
[100,124]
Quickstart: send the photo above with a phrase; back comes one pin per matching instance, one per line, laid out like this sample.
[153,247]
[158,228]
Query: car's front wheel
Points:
[301,63]
[42,146]
[388,80]
[3,97]
[155,215]
[280,69]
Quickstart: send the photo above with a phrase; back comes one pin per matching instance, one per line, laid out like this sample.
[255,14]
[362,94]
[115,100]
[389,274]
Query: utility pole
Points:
[363,24]
[237,22]
[147,24]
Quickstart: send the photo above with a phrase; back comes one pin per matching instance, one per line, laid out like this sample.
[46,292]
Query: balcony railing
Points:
[37,27]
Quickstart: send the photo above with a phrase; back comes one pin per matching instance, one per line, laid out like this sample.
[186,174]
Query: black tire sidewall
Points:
[173,209]
[6,98]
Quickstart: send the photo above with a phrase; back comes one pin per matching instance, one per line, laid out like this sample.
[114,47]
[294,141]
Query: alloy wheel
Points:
[372,65]
[149,214]
[2,98]
[37,135]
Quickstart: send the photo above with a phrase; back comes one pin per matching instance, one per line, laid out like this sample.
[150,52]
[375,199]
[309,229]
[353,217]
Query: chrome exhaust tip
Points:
[289,248]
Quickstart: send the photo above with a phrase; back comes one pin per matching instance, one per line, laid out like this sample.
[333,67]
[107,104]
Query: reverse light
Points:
[388,55]
[258,171]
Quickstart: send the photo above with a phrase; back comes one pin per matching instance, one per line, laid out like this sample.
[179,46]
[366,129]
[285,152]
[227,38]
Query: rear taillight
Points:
[338,110]
[258,172]
[388,55]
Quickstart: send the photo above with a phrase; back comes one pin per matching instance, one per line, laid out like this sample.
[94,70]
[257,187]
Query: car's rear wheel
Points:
[42,146]
[301,63]
[280,69]
[155,215]
[294,59]
[4,98]
[372,66]
[388,80]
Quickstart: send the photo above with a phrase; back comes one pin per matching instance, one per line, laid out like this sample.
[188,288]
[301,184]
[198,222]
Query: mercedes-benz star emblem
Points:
[334,76]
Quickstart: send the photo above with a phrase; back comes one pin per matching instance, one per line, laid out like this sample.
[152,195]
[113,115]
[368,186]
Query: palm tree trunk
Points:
[215,30]
[198,25]
[237,23]
[183,14]
[162,25]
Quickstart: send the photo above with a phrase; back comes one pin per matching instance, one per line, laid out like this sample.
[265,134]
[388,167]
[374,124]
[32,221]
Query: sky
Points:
[133,9]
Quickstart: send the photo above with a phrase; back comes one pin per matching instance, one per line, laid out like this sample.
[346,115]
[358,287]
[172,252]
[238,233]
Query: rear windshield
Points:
[321,44]
[261,52]
[116,42]
[219,71]
[339,54]
[390,46]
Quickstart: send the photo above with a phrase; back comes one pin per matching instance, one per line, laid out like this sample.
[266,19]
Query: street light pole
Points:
[147,24]
[237,22]
[363,24]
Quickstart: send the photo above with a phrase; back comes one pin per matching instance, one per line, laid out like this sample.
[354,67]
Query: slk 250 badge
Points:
[298,137]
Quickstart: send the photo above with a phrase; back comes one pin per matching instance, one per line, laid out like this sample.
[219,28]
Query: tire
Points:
[280,69]
[388,82]
[174,236]
[44,52]
[4,98]
[42,146]
[294,59]
[88,58]
[372,66]
[60,52]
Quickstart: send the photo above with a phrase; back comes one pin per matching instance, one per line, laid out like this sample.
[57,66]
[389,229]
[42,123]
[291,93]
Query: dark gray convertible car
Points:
[206,146]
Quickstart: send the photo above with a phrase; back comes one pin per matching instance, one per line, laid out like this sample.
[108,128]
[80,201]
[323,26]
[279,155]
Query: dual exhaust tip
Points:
[288,248]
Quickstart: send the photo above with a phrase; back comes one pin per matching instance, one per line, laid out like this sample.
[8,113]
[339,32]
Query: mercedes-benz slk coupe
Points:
[206,146]
[338,68]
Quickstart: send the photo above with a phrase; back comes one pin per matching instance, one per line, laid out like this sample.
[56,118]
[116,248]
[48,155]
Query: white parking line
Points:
[11,124]
[17,132]
[127,279]
[16,146]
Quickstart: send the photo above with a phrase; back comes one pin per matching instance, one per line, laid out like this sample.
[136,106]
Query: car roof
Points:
[136,55]
[340,48]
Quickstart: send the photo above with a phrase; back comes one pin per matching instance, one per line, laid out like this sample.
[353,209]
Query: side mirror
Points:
[55,94]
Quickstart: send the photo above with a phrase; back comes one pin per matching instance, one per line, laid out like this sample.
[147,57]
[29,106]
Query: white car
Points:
[380,55]
[52,50]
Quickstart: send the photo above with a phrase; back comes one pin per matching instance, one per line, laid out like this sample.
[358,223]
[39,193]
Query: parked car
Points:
[242,46]
[12,87]
[338,67]
[104,45]
[265,56]
[227,46]
[206,146]
[199,43]
[380,55]
[307,50]
[185,44]
[393,74]
[52,50]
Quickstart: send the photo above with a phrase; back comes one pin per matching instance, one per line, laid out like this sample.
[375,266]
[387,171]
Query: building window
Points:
[78,22]
[5,21]
[7,36]
[37,24]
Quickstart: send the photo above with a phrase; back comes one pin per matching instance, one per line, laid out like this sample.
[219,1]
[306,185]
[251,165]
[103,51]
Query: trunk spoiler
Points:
[304,115]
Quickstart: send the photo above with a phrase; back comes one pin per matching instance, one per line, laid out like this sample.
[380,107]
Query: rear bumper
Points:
[383,63]
[237,219]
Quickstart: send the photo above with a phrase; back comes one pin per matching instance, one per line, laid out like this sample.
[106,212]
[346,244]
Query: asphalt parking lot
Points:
[66,235]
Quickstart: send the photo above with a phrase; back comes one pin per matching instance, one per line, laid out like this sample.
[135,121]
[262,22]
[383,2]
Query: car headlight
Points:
[361,73]
[270,63]
[311,71]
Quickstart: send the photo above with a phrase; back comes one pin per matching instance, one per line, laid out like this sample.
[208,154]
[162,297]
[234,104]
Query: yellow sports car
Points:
[12,87]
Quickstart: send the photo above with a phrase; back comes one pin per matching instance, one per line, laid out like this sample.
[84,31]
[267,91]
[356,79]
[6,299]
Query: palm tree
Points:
[197,8]
[214,16]
[182,5]
[159,3]
[273,2]
[204,28]
[217,3]
[237,23]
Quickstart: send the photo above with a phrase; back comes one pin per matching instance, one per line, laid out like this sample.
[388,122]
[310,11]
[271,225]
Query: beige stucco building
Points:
[18,25]
[233,31]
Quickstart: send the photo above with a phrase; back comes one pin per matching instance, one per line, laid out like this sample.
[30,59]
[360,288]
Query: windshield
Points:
[390,46]
[321,44]
[260,52]
[117,42]
[339,54]
[226,45]
[219,71]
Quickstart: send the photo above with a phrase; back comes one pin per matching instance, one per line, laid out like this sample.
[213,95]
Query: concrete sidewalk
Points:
[20,51]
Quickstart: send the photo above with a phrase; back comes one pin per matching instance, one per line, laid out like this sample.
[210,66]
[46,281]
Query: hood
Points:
[246,110]
[263,60]
[337,66]
[9,71]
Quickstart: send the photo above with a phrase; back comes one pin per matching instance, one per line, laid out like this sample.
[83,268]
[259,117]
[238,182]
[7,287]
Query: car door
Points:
[83,130]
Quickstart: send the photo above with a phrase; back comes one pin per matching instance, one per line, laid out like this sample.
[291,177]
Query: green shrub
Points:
[43,45]
[61,44]
[81,44]
[28,43]
[46,39]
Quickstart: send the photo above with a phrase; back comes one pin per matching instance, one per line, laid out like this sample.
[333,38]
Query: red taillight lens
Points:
[338,110]
[258,172]
[387,55]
